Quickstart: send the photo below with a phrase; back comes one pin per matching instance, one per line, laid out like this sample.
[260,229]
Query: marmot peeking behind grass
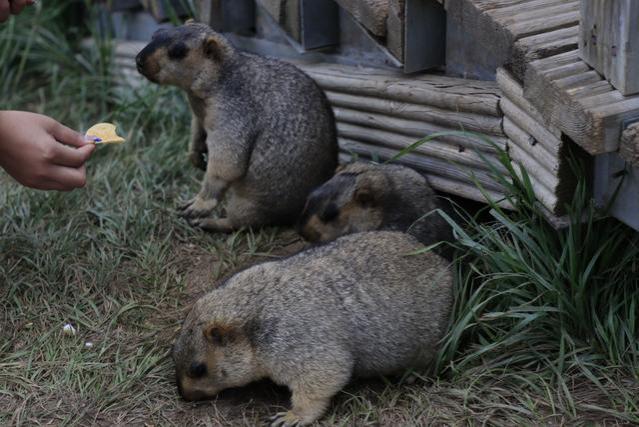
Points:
[366,196]
[261,129]
[362,305]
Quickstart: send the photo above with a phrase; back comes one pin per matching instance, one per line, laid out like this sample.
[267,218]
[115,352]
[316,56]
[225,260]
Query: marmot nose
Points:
[138,62]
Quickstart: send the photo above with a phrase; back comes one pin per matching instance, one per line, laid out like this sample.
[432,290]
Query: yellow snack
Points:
[105,134]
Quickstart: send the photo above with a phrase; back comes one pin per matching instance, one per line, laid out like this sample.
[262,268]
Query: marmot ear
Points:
[365,197]
[219,334]
[212,48]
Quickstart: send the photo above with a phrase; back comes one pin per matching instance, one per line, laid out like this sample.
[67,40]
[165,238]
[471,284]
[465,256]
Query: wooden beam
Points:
[609,41]
[372,14]
[629,147]
[573,98]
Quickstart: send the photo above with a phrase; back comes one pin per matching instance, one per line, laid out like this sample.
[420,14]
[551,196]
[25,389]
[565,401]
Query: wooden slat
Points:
[609,41]
[416,130]
[441,176]
[573,98]
[543,45]
[453,120]
[438,91]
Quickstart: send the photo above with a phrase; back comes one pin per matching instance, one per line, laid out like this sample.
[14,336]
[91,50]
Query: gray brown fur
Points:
[366,196]
[357,306]
[265,127]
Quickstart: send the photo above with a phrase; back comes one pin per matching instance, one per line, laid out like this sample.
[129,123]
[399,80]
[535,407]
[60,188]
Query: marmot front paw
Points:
[197,207]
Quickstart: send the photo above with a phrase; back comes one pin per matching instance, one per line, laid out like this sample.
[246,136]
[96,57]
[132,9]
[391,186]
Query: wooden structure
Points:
[609,41]
[536,97]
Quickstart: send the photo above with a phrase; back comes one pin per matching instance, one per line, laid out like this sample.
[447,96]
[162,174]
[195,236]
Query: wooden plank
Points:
[482,35]
[464,180]
[456,159]
[454,120]
[548,165]
[438,91]
[629,146]
[593,119]
[515,92]
[542,45]
[416,130]
[609,41]
[372,14]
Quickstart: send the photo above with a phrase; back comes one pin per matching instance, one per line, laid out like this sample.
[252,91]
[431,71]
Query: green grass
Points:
[544,331]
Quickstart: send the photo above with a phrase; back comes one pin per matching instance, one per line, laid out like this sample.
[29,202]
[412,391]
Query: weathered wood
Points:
[484,124]
[371,14]
[484,35]
[629,146]
[451,180]
[513,90]
[543,45]
[395,28]
[530,145]
[435,149]
[609,41]
[417,130]
[438,91]
[573,98]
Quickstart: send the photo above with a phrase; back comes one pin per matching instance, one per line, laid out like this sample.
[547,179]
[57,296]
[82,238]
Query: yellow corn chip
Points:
[106,133]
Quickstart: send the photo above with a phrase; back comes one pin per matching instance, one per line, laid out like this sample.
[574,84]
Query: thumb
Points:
[68,136]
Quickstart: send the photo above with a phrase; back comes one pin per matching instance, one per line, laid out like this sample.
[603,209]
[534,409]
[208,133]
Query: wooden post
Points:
[609,41]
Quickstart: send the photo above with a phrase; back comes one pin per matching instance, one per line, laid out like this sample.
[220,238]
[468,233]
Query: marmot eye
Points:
[197,370]
[178,51]
[330,213]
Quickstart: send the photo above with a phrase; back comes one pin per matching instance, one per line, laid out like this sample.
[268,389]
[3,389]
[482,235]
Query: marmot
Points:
[366,196]
[362,305]
[262,130]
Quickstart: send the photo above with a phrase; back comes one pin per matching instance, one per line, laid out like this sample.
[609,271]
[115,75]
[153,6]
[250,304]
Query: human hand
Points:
[12,7]
[41,153]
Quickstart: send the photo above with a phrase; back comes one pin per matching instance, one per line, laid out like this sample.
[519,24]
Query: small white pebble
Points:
[68,329]
[88,344]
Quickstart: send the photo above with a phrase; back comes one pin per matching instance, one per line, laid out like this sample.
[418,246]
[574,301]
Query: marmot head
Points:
[189,56]
[351,201]
[211,355]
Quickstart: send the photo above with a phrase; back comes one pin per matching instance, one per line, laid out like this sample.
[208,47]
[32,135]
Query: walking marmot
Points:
[366,196]
[361,305]
[261,129]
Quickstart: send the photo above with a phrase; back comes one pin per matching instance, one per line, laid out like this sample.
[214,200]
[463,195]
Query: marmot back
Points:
[367,196]
[361,305]
[261,129]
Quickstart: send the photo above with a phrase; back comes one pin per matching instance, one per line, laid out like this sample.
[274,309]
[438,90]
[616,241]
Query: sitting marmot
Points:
[262,129]
[361,305]
[366,196]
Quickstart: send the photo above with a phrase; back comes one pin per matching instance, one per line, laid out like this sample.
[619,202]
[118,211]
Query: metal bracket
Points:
[424,35]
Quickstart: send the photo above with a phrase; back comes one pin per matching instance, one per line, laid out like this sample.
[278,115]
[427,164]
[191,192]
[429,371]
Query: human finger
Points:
[71,156]
[67,136]
[69,178]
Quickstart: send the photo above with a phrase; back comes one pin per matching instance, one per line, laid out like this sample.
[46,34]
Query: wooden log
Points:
[438,91]
[484,124]
[609,41]
[543,193]
[629,146]
[371,14]
[529,154]
[550,145]
[434,148]
[451,180]
[417,130]
[515,92]
[395,28]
